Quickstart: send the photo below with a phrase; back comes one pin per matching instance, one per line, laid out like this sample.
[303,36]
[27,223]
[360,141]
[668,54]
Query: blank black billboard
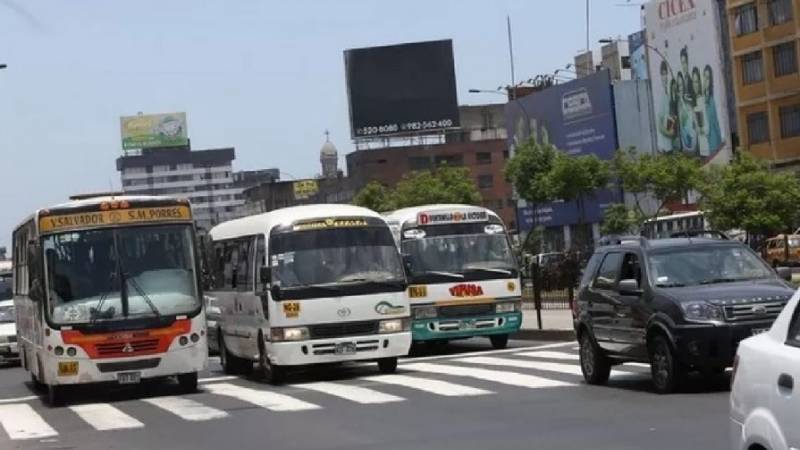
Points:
[398,89]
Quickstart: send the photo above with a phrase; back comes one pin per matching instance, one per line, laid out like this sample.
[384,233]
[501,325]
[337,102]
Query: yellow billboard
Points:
[304,189]
[154,130]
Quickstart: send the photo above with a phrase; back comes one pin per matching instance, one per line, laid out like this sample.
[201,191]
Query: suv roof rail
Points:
[605,241]
[699,232]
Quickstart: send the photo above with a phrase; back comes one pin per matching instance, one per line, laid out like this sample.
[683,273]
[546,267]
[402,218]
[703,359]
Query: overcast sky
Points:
[264,77]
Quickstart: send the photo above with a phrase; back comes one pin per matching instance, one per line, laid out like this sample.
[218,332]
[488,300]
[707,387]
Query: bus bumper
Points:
[188,359]
[465,327]
[323,351]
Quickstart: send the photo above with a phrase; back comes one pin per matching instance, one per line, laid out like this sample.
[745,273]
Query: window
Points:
[793,338]
[505,154]
[485,181]
[758,127]
[588,273]
[746,17]
[230,261]
[511,203]
[631,269]
[419,162]
[780,11]
[790,121]
[449,160]
[483,158]
[784,59]
[185,166]
[244,272]
[609,271]
[752,68]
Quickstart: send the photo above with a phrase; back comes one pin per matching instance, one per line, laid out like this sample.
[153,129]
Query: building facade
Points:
[763,46]
[266,197]
[205,177]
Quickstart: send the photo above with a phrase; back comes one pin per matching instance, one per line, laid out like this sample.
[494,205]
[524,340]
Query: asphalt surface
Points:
[460,396]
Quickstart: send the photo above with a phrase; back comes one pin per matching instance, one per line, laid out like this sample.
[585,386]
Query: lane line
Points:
[104,417]
[356,394]
[187,409]
[489,352]
[265,399]
[569,369]
[437,387]
[216,379]
[497,376]
[21,422]
[19,399]
[550,355]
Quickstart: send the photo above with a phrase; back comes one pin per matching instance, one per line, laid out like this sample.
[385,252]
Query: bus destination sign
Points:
[65,222]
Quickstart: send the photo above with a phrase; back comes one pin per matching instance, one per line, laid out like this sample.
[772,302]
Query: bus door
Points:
[262,283]
[248,305]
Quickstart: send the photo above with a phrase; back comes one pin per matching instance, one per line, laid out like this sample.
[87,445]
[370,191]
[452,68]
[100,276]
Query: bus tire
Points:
[387,365]
[499,341]
[271,373]
[231,364]
[188,382]
[55,395]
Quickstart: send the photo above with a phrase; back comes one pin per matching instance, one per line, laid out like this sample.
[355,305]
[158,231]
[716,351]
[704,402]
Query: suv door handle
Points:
[786,382]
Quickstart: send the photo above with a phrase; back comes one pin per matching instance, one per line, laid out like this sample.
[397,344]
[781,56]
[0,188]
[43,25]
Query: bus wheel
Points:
[387,365]
[188,382]
[55,395]
[499,341]
[272,373]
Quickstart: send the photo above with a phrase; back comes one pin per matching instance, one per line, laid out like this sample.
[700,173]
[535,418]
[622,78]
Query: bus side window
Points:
[261,261]
[244,273]
[231,261]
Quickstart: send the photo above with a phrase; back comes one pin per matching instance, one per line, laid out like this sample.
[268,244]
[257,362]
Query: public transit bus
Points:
[665,226]
[463,277]
[106,290]
[307,285]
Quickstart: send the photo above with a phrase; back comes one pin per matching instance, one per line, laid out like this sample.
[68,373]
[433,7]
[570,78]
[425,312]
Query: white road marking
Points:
[21,422]
[215,379]
[490,352]
[104,417]
[550,355]
[569,369]
[502,377]
[437,387]
[19,399]
[187,409]
[356,394]
[265,399]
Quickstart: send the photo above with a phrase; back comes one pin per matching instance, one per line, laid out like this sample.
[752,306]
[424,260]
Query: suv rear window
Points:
[608,274]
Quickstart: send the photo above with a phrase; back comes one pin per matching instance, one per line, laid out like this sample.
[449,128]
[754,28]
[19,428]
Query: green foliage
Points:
[574,178]
[618,219]
[529,171]
[746,195]
[663,176]
[444,185]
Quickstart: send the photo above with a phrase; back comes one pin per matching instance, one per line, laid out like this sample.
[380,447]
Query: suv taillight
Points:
[735,368]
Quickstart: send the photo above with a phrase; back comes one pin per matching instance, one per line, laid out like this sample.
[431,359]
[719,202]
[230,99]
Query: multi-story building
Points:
[763,45]
[205,177]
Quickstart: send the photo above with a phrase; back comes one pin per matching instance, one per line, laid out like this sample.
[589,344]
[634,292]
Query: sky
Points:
[264,77]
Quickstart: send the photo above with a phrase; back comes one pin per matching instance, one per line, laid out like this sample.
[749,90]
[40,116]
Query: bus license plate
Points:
[67,368]
[129,377]
[346,348]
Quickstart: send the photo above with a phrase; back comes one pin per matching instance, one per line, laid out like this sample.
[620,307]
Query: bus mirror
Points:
[275,291]
[265,275]
[407,263]
[36,292]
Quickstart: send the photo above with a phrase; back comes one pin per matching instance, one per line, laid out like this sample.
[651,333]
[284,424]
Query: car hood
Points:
[741,291]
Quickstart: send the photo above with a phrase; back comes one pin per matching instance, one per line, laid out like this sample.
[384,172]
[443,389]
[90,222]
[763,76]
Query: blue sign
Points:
[577,118]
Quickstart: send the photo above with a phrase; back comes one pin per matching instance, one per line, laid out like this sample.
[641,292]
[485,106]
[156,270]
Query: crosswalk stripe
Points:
[265,399]
[569,369]
[187,409]
[215,379]
[353,393]
[550,355]
[437,387]
[104,417]
[21,422]
[502,377]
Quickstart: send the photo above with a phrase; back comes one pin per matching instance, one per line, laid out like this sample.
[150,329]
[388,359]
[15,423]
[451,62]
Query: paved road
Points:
[527,397]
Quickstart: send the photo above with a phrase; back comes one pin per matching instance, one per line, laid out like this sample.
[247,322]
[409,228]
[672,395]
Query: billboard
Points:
[638,54]
[578,119]
[304,189]
[399,89]
[685,66]
[154,130]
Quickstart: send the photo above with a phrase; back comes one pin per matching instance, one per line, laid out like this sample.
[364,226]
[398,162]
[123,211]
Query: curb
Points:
[533,334]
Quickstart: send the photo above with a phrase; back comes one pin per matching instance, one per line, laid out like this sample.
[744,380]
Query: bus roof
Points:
[406,214]
[680,215]
[264,223]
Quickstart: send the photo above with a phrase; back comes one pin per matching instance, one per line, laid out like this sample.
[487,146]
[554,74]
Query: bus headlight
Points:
[424,312]
[393,326]
[506,307]
[289,334]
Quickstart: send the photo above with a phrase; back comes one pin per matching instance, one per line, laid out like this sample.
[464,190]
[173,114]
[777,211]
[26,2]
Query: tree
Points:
[576,178]
[376,197]
[746,195]
[444,185]
[618,219]
[662,177]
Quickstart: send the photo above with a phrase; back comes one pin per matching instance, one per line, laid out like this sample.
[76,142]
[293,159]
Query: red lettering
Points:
[466,290]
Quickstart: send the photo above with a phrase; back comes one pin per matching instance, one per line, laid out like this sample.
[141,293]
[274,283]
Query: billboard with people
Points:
[685,66]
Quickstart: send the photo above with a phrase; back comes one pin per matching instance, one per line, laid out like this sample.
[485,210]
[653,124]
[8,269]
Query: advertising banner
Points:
[304,189]
[638,54]
[578,119]
[154,130]
[688,85]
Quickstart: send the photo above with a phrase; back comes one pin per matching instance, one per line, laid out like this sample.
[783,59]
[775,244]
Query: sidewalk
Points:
[556,326]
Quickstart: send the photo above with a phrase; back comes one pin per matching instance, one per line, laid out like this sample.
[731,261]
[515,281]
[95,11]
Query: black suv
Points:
[679,304]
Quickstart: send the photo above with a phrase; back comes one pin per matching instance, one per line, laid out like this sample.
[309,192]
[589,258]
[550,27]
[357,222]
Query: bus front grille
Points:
[127,348]
[139,364]
[334,330]
[466,310]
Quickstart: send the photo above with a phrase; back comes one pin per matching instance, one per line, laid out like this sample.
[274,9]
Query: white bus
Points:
[307,285]
[463,276]
[665,226]
[106,290]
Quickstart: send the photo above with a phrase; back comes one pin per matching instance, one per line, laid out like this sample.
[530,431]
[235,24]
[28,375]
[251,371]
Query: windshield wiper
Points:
[721,280]
[387,282]
[458,276]
[669,285]
[490,270]
[330,287]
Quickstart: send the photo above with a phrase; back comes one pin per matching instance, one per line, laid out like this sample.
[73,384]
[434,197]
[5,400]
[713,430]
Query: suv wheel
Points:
[594,364]
[666,370]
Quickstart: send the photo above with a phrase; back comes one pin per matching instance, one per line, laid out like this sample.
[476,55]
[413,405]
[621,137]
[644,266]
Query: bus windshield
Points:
[459,251]
[334,257]
[115,274]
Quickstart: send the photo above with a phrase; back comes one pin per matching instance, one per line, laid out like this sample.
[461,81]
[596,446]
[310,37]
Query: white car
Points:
[765,408]
[8,333]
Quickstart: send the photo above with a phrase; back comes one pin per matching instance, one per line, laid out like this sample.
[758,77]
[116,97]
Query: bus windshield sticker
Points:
[441,217]
[330,223]
[55,223]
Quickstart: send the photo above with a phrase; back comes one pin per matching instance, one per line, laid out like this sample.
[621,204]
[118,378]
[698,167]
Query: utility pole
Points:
[513,93]
[587,25]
